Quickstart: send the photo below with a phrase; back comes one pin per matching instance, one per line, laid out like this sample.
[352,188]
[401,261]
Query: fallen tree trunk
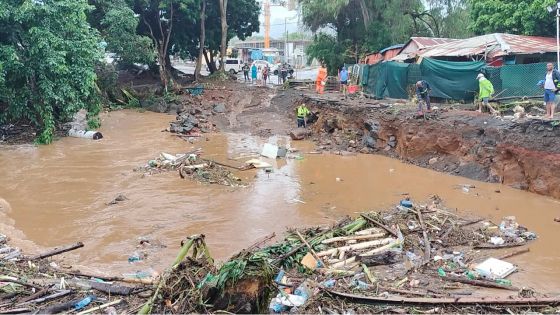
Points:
[444,301]
[58,250]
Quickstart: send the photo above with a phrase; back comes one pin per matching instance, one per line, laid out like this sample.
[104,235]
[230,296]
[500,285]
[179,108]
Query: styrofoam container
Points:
[493,268]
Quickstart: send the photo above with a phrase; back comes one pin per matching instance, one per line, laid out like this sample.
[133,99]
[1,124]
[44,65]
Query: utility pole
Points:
[286,40]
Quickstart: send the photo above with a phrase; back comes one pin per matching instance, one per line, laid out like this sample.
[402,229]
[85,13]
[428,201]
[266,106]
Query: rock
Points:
[219,108]
[433,161]
[364,150]
[369,142]
[79,120]
[299,133]
[373,127]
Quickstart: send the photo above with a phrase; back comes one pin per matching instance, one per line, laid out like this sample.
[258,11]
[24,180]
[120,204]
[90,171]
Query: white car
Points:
[233,66]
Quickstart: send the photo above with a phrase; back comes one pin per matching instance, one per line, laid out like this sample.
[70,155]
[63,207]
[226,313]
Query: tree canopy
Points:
[46,62]
[525,17]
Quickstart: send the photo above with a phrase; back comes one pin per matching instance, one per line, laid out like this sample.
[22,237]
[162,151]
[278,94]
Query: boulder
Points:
[299,133]
[219,108]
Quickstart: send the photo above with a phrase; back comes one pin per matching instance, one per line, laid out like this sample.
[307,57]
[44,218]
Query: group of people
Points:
[551,86]
[265,73]
[322,76]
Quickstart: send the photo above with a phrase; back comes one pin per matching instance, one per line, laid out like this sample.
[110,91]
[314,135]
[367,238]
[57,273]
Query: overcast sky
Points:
[277,27]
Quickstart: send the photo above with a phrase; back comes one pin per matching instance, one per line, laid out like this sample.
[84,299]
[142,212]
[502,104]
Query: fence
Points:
[448,80]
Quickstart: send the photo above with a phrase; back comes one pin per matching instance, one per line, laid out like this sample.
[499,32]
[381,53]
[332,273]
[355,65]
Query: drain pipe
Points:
[95,135]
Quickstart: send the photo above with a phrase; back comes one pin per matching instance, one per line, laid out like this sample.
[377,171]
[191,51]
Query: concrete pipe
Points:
[95,135]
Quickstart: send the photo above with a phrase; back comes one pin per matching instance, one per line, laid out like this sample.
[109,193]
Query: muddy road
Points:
[58,194]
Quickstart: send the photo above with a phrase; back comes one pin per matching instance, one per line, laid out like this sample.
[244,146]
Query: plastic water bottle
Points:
[279,276]
[406,203]
[329,283]
[83,303]
[503,281]
[303,291]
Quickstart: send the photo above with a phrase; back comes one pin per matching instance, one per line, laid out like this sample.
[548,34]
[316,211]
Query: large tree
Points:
[526,17]
[48,53]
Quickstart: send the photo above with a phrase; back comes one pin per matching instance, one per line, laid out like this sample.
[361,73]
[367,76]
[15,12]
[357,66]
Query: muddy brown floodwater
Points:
[57,194]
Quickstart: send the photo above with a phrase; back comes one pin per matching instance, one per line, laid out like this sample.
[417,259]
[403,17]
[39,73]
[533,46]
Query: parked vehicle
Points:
[262,63]
[276,69]
[233,66]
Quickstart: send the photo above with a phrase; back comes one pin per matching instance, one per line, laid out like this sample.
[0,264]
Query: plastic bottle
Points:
[441,272]
[406,203]
[503,281]
[134,257]
[303,290]
[83,303]
[279,276]
[329,283]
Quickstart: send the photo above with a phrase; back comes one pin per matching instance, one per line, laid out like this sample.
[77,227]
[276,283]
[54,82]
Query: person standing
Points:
[321,79]
[246,72]
[284,72]
[485,90]
[254,73]
[302,113]
[265,74]
[551,81]
[423,95]
[344,81]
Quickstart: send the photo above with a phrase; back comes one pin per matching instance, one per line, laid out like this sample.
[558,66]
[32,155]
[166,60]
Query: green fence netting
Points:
[518,80]
[451,80]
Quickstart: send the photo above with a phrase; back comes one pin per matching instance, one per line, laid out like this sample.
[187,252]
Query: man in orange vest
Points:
[321,79]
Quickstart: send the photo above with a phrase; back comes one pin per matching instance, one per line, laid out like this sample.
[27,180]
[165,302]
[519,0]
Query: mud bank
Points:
[523,154]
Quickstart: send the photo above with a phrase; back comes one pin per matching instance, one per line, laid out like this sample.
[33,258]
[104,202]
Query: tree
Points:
[525,17]
[327,50]
[223,22]
[46,62]
[202,40]
[118,27]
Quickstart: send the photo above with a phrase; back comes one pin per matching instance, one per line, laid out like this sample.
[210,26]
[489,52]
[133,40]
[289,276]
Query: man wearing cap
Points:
[551,81]
[302,113]
[485,90]
[423,94]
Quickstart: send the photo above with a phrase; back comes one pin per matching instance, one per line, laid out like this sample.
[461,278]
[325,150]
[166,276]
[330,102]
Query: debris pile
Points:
[410,259]
[191,165]
[192,121]
[35,285]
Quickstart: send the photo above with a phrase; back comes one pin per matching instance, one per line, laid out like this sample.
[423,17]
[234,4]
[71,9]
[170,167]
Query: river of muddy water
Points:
[58,194]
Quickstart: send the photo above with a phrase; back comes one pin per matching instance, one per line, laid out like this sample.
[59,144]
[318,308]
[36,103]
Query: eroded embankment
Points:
[522,154]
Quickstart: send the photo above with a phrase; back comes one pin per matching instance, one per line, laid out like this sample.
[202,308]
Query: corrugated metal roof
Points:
[424,42]
[492,45]
[398,46]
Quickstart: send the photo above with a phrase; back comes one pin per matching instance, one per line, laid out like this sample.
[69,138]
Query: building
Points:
[417,44]
[292,51]
[383,55]
[495,49]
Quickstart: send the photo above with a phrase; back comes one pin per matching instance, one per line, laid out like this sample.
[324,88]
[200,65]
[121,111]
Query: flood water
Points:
[58,194]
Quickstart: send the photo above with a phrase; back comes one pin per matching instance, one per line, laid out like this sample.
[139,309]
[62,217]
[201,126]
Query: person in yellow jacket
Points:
[302,113]
[486,89]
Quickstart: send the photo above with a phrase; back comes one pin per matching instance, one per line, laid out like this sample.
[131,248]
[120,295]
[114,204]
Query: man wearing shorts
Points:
[344,80]
[552,78]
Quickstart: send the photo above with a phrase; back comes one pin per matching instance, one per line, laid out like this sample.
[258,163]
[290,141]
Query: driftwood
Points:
[58,250]
[445,301]
[100,307]
[385,258]
[508,245]
[53,296]
[353,238]
[113,289]
[381,288]
[310,248]
[17,311]
[480,283]
[261,242]
[357,246]
[381,225]
[35,295]
[59,308]
[369,231]
[521,251]
[427,247]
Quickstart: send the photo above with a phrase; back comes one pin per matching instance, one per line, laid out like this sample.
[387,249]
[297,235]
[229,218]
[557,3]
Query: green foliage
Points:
[119,30]
[526,17]
[327,50]
[47,62]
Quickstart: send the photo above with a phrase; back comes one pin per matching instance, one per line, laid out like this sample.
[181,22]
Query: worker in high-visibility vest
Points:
[321,80]
[302,113]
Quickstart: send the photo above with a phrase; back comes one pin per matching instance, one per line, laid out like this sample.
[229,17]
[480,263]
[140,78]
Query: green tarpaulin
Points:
[451,80]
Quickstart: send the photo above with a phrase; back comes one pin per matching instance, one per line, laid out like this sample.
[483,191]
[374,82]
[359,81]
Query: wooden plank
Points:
[58,250]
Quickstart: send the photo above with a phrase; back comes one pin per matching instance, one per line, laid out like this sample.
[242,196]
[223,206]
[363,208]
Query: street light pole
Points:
[550,10]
